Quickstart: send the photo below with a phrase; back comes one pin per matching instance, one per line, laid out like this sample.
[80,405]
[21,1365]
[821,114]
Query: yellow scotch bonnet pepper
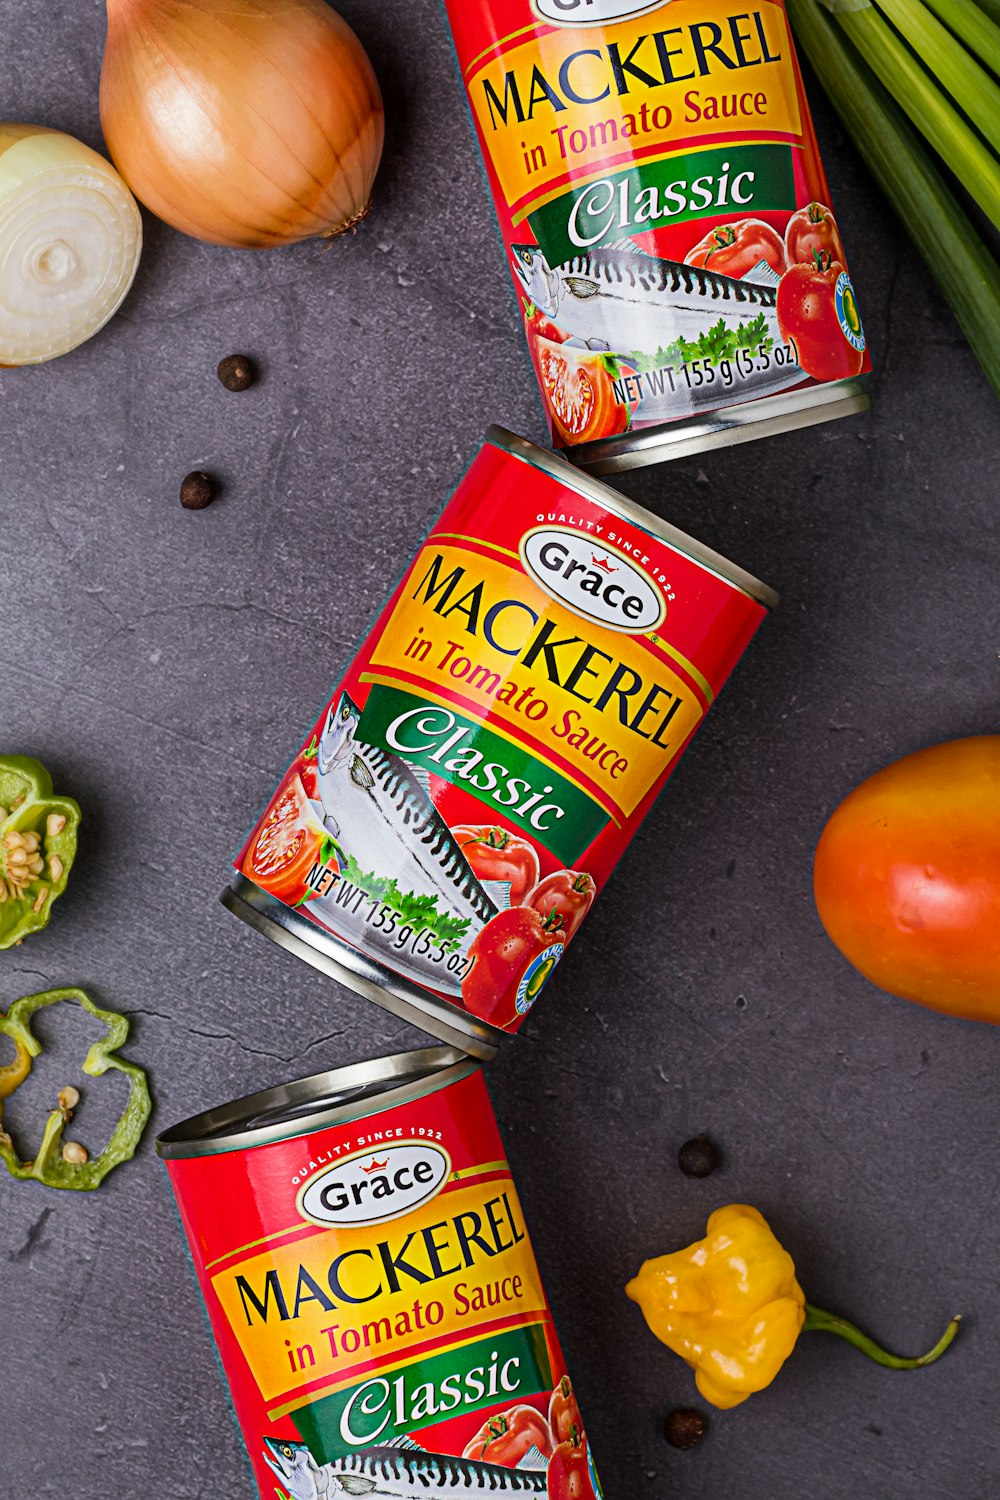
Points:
[731,1307]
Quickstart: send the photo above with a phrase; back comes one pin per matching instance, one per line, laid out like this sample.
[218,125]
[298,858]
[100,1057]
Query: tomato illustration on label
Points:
[818,313]
[810,229]
[288,844]
[567,893]
[512,958]
[307,769]
[564,1412]
[734,249]
[495,854]
[537,325]
[506,1439]
[580,391]
[571,1474]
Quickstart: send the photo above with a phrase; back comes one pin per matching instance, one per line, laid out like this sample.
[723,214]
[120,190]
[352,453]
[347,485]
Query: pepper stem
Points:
[819,1321]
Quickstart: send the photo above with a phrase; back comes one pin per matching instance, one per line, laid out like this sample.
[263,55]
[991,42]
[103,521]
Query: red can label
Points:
[662,201]
[502,732]
[379,1312]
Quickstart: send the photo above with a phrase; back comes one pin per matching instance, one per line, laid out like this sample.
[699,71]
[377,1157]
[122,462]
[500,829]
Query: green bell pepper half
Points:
[29,808]
[49,1168]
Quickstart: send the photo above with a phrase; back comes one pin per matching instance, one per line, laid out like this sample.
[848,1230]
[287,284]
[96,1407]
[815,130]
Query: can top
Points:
[332,1098]
[602,494]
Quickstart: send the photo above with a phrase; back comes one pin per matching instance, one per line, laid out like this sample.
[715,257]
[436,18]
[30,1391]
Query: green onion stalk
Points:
[975,25]
[916,92]
[963,266]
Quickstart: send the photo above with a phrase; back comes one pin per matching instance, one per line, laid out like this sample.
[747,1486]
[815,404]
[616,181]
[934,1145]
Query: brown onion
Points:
[243,122]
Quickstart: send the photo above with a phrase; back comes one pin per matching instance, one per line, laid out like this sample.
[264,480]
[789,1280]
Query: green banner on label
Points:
[490,1372]
[504,776]
[740,182]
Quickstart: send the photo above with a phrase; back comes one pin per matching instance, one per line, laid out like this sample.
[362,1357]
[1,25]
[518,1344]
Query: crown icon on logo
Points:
[376,1166]
[602,562]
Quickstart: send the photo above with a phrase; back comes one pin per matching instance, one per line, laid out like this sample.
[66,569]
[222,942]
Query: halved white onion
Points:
[70,241]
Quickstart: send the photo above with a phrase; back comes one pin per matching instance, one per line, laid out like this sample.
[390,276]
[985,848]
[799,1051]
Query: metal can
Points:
[501,733]
[666,221]
[372,1289]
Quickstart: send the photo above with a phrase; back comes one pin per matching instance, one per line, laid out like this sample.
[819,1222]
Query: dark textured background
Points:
[164,664]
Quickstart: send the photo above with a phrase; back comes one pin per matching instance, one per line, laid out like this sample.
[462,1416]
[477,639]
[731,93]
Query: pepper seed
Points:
[198,490]
[56,866]
[41,898]
[75,1154]
[237,372]
[69,1097]
[684,1428]
[698,1157]
[54,825]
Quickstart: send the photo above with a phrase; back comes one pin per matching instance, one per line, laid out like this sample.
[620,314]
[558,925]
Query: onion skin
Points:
[248,123]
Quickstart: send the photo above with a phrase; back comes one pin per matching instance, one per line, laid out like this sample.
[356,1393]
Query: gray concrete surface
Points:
[164,665]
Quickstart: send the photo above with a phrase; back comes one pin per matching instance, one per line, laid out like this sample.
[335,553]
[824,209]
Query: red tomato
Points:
[579,391]
[569,1472]
[816,309]
[567,892]
[495,854]
[810,229]
[907,878]
[285,848]
[734,249]
[505,1440]
[512,957]
[564,1413]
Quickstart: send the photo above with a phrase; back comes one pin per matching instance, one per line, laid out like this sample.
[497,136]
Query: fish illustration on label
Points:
[402,1470]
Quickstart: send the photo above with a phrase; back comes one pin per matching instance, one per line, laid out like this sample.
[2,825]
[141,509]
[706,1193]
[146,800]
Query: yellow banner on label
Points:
[567,104]
[596,699]
[306,1313]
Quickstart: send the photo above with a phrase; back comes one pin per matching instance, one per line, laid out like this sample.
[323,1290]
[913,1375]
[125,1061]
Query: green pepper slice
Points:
[38,833]
[49,1168]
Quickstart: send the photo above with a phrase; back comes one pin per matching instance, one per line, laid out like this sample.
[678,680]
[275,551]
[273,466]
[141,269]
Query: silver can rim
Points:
[338,1096]
[611,499]
[334,956]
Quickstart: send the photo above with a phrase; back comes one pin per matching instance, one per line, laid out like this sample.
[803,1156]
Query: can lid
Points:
[613,500]
[332,1098]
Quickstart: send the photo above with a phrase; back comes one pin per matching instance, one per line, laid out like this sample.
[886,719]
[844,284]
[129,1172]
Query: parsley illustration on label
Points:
[419,912]
[716,344]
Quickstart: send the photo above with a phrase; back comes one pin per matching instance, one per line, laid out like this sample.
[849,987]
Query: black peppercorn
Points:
[698,1157]
[198,489]
[237,372]
[684,1427]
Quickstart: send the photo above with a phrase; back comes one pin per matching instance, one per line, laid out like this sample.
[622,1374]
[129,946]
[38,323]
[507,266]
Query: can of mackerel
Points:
[666,221]
[372,1289]
[477,773]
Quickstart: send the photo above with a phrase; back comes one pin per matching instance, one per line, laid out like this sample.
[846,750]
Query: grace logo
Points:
[593,582]
[592,12]
[372,1186]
